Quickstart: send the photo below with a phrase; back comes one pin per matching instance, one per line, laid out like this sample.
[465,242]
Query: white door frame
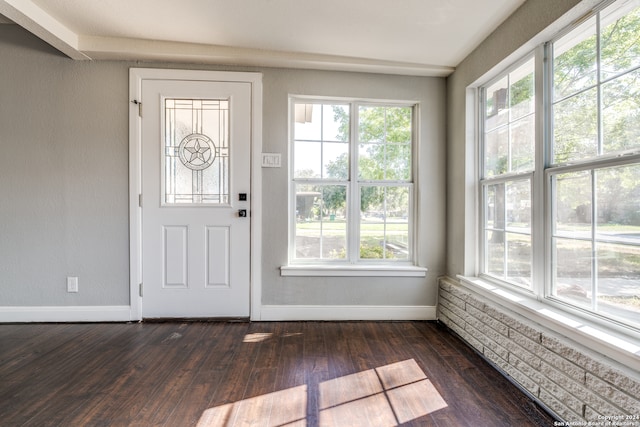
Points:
[136,76]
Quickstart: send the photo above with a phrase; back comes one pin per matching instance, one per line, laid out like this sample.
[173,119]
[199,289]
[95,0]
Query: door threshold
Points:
[195,319]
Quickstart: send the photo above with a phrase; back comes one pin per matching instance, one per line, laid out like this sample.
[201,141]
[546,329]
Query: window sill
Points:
[624,348]
[352,271]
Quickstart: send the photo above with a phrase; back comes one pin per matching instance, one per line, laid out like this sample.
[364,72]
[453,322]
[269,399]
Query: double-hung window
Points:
[352,190]
[585,240]
[508,163]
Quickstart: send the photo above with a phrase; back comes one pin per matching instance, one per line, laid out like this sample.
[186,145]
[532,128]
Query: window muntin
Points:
[352,181]
[588,226]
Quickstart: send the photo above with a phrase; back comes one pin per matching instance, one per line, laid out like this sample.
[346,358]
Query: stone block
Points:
[491,322]
[630,404]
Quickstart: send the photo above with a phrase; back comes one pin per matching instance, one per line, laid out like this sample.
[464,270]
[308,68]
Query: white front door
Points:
[195,185]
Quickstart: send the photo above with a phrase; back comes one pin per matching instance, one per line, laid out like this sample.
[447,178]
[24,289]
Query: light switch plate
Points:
[271,160]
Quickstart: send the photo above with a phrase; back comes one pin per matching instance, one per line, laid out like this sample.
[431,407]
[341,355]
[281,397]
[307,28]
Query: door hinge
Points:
[140,289]
[140,199]
[139,104]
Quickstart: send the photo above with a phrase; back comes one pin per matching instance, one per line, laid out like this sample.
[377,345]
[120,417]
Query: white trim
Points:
[352,271]
[346,312]
[136,75]
[256,194]
[616,345]
[21,314]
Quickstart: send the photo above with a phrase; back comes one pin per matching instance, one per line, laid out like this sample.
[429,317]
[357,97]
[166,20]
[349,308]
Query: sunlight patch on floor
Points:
[257,337]
[385,396]
[280,408]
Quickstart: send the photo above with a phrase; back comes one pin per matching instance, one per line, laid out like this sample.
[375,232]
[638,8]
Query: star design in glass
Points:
[197,151]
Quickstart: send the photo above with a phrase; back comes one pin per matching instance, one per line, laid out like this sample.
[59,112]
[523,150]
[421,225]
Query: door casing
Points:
[136,111]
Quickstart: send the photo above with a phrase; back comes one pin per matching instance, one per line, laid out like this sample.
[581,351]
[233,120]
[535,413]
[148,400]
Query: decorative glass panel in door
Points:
[196,152]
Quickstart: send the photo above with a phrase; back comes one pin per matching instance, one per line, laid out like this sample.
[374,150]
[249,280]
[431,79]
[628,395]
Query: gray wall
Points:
[64,179]
[63,176]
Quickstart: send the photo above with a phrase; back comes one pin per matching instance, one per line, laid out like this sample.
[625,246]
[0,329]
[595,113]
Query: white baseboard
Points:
[117,313]
[28,314]
[345,312]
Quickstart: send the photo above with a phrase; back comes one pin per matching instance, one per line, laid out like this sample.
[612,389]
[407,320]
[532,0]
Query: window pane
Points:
[519,206]
[575,127]
[496,108]
[320,221]
[398,166]
[335,123]
[307,159]
[371,124]
[619,39]
[519,259]
[335,159]
[398,127]
[619,280]
[618,204]
[494,262]
[495,206]
[523,134]
[572,278]
[371,162]
[308,122]
[572,197]
[621,113]
[574,62]
[384,222]
[521,90]
[496,152]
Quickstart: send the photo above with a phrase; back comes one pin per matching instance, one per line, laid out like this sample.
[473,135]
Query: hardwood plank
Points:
[220,348]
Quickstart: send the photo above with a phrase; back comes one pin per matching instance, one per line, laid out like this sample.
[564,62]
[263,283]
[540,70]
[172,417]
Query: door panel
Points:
[195,161]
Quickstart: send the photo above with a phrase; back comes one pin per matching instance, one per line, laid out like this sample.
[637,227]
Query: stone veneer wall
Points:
[577,384]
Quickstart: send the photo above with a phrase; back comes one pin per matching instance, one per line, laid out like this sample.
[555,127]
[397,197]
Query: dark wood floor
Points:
[266,374]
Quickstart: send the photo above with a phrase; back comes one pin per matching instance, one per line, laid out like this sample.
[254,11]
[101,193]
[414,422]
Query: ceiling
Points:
[410,37]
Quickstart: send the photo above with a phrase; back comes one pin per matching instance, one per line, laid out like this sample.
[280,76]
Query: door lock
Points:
[242,213]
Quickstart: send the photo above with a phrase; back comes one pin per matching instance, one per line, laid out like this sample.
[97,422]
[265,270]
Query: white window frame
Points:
[353,265]
[619,340]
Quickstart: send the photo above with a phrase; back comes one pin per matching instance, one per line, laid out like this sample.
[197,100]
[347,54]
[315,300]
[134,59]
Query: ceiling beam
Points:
[38,22]
[111,48]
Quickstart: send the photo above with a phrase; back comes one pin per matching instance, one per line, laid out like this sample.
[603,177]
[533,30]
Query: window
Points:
[352,185]
[586,237]
[508,163]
